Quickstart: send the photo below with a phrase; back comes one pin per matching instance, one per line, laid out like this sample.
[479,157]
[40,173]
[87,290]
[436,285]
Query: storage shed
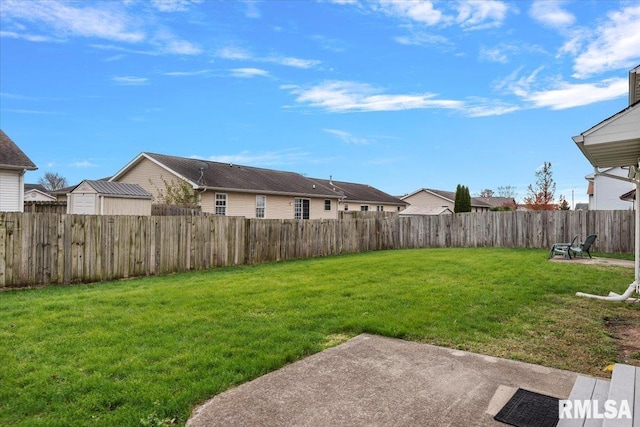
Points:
[108,198]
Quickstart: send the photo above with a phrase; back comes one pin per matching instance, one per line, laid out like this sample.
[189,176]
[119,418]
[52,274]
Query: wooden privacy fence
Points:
[41,249]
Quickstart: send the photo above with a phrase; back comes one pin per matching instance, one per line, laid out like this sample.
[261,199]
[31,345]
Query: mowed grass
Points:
[147,351]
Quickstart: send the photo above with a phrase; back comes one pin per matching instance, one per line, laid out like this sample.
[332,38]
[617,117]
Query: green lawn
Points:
[143,351]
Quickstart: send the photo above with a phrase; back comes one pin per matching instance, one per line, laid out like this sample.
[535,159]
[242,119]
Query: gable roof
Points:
[353,192]
[11,156]
[423,211]
[614,141]
[119,189]
[204,174]
[38,187]
[450,196]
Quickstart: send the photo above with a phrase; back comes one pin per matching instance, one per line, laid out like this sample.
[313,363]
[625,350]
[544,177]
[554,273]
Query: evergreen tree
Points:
[458,200]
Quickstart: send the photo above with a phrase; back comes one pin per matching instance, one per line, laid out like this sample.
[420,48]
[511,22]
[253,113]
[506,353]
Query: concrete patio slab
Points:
[376,381]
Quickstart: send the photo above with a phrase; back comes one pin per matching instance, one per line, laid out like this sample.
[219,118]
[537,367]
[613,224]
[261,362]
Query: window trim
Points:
[221,209]
[263,207]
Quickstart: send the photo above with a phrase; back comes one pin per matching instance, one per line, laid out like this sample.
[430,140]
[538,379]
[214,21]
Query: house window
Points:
[301,210]
[346,207]
[261,202]
[221,204]
[327,204]
[364,208]
[380,208]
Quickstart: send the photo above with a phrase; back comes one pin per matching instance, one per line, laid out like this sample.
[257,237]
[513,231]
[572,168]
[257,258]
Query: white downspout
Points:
[635,286]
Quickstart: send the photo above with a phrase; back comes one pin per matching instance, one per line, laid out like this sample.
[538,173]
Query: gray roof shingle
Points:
[226,176]
[11,156]
[353,192]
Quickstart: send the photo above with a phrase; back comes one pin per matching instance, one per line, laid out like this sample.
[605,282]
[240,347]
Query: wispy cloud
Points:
[616,44]
[248,72]
[26,36]
[566,95]
[130,81]
[269,158]
[187,73]
[173,5]
[112,21]
[240,54]
[558,94]
[346,137]
[84,164]
[26,111]
[550,13]
[343,96]
[107,22]
[468,14]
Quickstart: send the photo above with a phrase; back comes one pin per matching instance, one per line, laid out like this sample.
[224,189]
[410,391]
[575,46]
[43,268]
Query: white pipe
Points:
[630,290]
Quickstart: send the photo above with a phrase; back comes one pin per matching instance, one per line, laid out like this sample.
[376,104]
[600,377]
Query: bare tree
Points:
[487,192]
[52,181]
[507,191]
[540,197]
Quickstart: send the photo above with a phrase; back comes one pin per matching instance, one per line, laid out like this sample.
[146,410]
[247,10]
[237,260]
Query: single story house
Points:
[13,165]
[362,197]
[436,199]
[237,190]
[108,198]
[37,193]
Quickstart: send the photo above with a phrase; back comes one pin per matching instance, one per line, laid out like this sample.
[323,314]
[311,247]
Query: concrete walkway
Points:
[377,381]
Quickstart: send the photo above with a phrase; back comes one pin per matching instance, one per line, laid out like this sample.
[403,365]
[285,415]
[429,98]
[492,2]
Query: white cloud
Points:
[130,81]
[468,14]
[616,44]
[84,164]
[187,73]
[252,9]
[288,156]
[173,5]
[550,13]
[421,38]
[23,36]
[567,95]
[481,14]
[106,22]
[346,137]
[419,11]
[240,54]
[342,96]
[103,20]
[248,72]
[235,53]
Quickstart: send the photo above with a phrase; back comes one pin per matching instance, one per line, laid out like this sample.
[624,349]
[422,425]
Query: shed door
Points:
[84,204]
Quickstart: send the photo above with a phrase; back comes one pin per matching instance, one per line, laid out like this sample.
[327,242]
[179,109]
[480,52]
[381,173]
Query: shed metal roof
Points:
[119,189]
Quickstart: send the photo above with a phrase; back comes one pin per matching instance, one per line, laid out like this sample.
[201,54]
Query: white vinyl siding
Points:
[11,189]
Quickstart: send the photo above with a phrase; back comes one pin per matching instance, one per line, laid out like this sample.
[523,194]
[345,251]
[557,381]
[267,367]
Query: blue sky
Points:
[400,95]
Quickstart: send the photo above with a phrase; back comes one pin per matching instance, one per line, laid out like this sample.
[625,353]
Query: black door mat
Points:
[529,409]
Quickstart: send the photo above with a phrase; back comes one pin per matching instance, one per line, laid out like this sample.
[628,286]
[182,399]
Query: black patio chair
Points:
[562,248]
[585,247]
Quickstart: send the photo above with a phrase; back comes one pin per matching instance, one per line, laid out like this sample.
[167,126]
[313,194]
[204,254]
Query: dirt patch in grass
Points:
[626,332]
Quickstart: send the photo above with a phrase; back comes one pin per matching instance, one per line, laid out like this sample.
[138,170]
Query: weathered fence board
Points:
[42,249]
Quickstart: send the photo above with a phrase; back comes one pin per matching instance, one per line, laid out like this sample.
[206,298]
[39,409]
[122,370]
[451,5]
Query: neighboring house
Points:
[362,197]
[108,198]
[37,193]
[13,164]
[604,191]
[236,190]
[581,207]
[422,211]
[436,199]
